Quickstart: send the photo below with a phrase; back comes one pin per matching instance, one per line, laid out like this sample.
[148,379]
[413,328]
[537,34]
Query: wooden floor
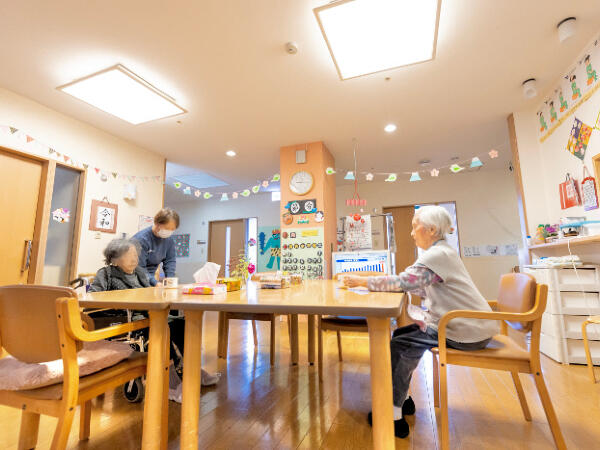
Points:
[256,406]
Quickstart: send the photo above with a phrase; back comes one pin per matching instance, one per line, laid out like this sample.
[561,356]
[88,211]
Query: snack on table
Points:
[233,284]
[204,289]
[275,281]
[295,278]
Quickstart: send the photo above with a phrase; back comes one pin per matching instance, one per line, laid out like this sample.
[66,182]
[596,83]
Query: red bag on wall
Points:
[569,194]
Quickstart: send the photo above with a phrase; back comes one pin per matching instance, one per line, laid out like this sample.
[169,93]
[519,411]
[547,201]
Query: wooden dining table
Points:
[313,297]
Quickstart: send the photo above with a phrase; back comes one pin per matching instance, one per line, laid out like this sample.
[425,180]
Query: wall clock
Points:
[301,183]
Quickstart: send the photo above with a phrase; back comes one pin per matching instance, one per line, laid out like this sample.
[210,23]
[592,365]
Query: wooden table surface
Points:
[320,297]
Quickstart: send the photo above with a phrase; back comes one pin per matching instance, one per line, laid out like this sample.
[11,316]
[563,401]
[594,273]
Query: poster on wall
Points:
[357,233]
[145,222]
[269,249]
[182,245]
[579,139]
[103,216]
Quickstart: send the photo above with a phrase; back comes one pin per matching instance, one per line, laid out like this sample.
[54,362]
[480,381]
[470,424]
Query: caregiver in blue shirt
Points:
[157,245]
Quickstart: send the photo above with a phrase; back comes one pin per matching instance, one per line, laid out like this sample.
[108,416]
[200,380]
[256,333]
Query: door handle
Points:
[26,255]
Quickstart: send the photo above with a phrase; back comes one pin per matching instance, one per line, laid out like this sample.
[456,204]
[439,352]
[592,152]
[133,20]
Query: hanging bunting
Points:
[234,195]
[391,177]
[224,198]
[197,193]
[476,162]
[245,193]
[330,171]
[13,130]
[434,172]
[415,177]
[50,150]
[207,195]
[187,191]
[276,178]
[28,138]
[85,166]
[493,153]
[265,184]
[255,189]
[349,175]
[369,177]
[177,184]
[455,168]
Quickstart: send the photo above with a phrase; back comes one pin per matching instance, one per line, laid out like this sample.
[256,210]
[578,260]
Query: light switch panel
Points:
[300,156]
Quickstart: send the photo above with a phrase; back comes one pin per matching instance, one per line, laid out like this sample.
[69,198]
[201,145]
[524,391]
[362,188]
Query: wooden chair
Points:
[586,344]
[520,304]
[341,323]
[43,323]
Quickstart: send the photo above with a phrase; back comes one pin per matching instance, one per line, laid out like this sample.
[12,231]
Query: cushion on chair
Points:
[500,347]
[345,320]
[17,375]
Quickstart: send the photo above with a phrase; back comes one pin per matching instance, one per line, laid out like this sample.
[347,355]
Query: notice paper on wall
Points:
[357,233]
[474,251]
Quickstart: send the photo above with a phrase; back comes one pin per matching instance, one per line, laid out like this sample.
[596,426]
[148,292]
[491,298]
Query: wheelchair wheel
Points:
[134,390]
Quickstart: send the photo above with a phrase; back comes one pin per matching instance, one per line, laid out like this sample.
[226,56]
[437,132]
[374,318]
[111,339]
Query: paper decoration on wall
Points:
[319,216]
[245,193]
[588,191]
[415,177]
[187,190]
[455,168]
[349,175]
[255,189]
[576,86]
[579,138]
[369,177]
[269,246]
[177,185]
[476,162]
[493,153]
[357,233]
[224,197]
[569,195]
[329,171]
[197,193]
[302,206]
[434,172]
[129,191]
[287,218]
[275,178]
[61,215]
[144,222]
[182,245]
[265,184]
[207,195]
[103,216]
[234,195]
[391,177]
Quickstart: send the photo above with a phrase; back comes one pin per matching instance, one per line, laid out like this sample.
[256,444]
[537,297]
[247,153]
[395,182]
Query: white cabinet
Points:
[573,295]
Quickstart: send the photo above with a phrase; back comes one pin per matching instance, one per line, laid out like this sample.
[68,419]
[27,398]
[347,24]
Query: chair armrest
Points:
[69,309]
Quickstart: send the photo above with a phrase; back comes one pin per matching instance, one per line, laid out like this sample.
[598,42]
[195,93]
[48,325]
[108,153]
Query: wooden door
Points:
[406,250]
[226,240]
[21,178]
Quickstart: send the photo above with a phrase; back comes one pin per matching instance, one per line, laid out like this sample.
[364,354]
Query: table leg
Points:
[381,382]
[156,371]
[294,343]
[192,366]
[311,339]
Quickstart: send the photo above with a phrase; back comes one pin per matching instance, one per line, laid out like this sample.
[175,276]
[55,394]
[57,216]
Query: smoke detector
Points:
[291,48]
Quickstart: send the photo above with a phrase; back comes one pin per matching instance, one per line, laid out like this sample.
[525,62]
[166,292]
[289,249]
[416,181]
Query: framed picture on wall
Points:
[103,216]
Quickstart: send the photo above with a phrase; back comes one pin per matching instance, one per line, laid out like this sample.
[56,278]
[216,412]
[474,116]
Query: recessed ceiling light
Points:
[390,128]
[230,153]
[368,36]
[120,92]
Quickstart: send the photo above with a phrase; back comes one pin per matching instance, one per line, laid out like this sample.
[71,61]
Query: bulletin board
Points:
[182,245]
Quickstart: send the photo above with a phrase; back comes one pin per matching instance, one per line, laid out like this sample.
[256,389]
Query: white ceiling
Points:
[224,61]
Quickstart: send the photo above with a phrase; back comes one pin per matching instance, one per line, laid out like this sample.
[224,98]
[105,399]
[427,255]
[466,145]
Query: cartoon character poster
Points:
[182,245]
[269,249]
[579,138]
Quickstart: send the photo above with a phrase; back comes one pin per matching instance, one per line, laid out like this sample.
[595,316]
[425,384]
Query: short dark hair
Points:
[117,248]
[165,215]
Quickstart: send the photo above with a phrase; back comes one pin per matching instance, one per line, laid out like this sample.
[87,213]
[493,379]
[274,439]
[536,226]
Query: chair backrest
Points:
[517,294]
[28,323]
[360,273]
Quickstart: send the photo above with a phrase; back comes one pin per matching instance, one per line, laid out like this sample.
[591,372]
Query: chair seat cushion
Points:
[17,375]
[345,320]
[500,347]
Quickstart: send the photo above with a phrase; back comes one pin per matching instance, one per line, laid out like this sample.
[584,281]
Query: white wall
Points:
[486,206]
[195,215]
[97,148]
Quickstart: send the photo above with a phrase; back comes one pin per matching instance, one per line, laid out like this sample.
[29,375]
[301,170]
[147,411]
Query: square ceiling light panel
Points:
[120,92]
[369,36]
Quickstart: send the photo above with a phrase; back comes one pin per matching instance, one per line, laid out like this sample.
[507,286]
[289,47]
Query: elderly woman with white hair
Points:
[439,276]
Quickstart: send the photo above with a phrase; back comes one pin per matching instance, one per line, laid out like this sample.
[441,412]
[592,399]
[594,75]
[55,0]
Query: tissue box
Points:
[233,284]
[205,289]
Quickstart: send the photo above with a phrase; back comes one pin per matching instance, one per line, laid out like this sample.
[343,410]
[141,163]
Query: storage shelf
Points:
[580,240]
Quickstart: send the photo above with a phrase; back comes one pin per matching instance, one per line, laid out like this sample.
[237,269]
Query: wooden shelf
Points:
[581,240]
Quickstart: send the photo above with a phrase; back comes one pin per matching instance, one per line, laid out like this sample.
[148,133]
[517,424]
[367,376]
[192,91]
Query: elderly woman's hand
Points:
[354,281]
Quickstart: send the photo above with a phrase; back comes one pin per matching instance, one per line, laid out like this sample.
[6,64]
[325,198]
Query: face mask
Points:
[164,233]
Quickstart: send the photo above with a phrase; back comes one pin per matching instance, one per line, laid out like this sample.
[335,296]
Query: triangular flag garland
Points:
[38,147]
[417,175]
